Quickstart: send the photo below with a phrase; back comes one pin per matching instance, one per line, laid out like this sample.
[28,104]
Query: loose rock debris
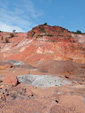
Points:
[43,80]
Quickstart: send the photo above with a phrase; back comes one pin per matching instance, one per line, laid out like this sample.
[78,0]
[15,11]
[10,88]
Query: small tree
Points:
[45,23]
[78,32]
[14,31]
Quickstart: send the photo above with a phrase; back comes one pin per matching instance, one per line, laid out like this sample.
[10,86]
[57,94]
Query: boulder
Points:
[11,80]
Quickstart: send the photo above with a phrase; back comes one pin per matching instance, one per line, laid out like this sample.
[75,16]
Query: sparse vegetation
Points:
[78,32]
[40,35]
[74,41]
[43,30]
[11,35]
[45,23]
[14,31]
[53,30]
[44,35]
[36,36]
[2,38]
[6,40]
[33,34]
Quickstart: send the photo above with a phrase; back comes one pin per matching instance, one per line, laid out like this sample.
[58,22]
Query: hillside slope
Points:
[43,43]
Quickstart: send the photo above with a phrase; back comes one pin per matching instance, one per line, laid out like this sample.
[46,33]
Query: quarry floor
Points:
[29,98]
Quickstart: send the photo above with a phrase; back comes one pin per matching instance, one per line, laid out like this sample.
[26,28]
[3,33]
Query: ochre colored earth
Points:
[43,43]
[45,50]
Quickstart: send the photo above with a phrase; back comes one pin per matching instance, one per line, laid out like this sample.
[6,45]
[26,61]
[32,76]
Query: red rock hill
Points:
[43,43]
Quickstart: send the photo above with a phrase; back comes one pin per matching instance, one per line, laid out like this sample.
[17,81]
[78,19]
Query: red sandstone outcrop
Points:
[43,43]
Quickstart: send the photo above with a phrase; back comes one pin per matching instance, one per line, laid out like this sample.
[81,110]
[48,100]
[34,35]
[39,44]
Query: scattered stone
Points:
[13,96]
[16,62]
[5,65]
[1,81]
[68,77]
[56,101]
[29,92]
[43,80]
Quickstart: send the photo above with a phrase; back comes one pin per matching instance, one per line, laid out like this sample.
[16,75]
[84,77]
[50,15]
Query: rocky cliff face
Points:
[43,43]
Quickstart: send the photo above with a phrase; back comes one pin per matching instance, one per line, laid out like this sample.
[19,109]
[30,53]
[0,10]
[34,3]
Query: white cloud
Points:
[22,15]
[9,28]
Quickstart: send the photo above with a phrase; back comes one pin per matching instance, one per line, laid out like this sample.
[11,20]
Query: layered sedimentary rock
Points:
[43,43]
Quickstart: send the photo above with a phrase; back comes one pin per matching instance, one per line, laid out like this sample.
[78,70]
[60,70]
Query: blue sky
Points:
[23,15]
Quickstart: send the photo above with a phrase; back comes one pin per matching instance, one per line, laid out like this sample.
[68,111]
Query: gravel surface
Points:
[43,80]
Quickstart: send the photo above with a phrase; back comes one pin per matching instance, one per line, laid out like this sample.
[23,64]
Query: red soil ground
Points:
[45,50]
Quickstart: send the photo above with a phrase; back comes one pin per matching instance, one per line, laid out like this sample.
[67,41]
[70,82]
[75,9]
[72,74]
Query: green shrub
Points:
[6,40]
[14,31]
[45,23]
[40,35]
[45,35]
[74,41]
[33,34]
[43,30]
[78,32]
[11,35]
